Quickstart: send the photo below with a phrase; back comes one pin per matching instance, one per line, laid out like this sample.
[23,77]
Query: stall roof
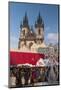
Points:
[24,58]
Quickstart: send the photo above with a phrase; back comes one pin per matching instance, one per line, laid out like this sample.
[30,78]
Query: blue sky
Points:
[49,14]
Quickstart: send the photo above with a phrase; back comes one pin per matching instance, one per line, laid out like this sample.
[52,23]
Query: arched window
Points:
[39,31]
[23,32]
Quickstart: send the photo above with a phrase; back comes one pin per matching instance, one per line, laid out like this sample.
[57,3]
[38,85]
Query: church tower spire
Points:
[25,21]
[39,26]
[39,21]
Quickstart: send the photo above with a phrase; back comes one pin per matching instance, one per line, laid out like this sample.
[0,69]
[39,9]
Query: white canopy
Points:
[40,62]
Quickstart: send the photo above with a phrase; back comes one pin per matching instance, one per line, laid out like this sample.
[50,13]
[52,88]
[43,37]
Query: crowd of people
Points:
[28,76]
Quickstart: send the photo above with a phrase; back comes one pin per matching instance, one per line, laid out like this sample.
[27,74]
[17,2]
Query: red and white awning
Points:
[18,58]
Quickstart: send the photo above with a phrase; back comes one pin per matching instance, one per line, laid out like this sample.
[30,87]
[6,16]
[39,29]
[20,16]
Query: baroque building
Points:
[29,36]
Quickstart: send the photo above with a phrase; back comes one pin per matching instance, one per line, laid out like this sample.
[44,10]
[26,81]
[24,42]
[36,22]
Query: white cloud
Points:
[52,37]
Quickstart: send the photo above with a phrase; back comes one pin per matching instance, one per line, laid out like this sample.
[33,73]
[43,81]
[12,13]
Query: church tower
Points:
[39,26]
[24,29]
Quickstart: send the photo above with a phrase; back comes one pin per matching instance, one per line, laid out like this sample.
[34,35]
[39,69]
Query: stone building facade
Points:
[29,35]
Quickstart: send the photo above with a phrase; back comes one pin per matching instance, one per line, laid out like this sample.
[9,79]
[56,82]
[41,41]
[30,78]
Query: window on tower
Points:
[23,32]
[39,31]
